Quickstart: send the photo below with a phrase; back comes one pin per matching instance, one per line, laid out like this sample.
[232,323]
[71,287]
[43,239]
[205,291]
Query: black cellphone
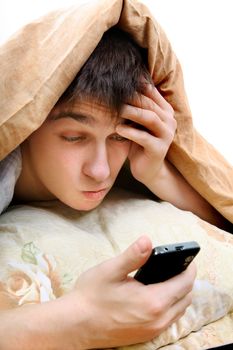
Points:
[167,261]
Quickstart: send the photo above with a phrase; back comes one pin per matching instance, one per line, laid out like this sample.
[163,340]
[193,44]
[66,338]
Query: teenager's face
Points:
[75,156]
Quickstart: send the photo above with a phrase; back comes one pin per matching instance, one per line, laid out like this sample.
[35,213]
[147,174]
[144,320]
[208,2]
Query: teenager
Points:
[110,113]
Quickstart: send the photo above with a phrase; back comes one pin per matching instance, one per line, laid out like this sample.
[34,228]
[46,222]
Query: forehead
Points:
[85,112]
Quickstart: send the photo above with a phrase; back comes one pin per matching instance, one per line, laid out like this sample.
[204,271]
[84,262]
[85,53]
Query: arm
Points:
[171,186]
[106,308]
[38,327]
[150,144]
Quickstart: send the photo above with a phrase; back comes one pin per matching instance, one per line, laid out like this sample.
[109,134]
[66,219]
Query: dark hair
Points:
[113,72]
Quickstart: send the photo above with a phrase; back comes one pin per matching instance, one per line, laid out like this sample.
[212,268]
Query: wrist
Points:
[19,328]
[73,328]
[157,183]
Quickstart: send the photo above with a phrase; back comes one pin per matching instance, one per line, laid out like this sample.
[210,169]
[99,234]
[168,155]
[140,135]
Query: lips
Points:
[95,195]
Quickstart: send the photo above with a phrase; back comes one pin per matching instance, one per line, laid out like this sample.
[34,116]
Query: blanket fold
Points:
[40,61]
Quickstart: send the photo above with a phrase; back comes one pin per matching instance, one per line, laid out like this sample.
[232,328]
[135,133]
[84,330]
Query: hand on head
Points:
[152,138]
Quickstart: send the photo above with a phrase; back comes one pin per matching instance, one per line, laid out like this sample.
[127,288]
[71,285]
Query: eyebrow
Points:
[79,117]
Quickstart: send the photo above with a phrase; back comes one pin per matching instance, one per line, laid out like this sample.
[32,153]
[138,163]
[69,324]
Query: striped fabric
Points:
[10,168]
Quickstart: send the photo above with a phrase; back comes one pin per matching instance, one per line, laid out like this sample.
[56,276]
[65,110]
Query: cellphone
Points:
[167,261]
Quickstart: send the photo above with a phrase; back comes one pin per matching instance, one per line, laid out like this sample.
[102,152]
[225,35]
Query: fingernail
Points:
[143,245]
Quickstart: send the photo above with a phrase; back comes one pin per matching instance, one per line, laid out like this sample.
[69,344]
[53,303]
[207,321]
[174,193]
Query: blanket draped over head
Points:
[40,61]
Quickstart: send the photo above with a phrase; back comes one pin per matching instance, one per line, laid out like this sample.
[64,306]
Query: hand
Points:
[151,142]
[116,310]
[106,308]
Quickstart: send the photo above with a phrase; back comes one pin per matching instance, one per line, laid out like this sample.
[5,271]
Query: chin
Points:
[85,206]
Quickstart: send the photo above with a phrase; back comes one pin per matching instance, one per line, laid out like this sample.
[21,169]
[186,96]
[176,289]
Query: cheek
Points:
[51,159]
[62,165]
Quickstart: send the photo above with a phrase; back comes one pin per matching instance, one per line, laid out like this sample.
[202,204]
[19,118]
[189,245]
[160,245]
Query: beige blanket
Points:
[39,62]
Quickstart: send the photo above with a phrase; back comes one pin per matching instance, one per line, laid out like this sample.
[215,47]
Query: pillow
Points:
[35,267]
[41,60]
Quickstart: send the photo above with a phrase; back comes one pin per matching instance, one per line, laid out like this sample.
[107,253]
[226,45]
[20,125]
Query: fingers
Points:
[172,315]
[150,120]
[145,112]
[135,312]
[147,123]
[180,307]
[152,100]
[149,114]
[130,260]
[169,300]
[133,257]
[175,289]
[150,137]
[153,93]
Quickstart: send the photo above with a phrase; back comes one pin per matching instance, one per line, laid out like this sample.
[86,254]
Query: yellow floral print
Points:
[35,279]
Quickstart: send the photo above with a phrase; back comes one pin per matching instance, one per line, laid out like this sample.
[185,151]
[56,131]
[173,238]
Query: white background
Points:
[201,33]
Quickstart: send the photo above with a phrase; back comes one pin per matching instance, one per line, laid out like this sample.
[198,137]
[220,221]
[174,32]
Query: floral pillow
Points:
[34,280]
[45,247]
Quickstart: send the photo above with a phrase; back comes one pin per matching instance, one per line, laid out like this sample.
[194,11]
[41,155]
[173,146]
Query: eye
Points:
[73,138]
[119,138]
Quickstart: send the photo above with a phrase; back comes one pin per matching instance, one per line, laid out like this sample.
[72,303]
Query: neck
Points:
[28,187]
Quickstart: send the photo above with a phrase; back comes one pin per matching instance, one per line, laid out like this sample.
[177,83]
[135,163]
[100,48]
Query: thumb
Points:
[132,258]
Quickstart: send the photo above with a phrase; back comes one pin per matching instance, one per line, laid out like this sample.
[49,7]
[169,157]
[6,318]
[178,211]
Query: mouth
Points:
[95,195]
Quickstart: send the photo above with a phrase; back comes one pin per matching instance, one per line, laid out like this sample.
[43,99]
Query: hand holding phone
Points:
[167,261]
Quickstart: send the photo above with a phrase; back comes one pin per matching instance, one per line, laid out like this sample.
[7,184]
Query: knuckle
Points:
[181,314]
[151,105]
[189,298]
[188,287]
[139,113]
[170,135]
[157,308]
[174,123]
[144,137]
[170,109]
[168,138]
[159,327]
[192,271]
[153,122]
[171,116]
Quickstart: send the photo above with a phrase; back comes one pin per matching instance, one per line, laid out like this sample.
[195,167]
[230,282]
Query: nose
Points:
[97,166]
